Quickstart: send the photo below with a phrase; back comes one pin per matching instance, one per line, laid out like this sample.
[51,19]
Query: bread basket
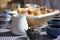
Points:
[35,21]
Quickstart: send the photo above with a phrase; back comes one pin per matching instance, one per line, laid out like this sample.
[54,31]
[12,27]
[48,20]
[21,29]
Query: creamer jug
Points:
[19,25]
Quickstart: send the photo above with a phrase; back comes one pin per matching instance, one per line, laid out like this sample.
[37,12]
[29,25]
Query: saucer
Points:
[2,30]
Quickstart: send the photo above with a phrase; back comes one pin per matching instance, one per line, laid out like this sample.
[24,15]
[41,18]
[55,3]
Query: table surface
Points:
[10,36]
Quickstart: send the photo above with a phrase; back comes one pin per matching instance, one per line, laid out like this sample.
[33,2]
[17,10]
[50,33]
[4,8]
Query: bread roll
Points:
[43,8]
[51,10]
[46,11]
[37,12]
[21,10]
[31,12]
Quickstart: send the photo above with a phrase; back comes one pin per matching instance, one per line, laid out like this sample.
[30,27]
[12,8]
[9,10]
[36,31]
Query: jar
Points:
[53,28]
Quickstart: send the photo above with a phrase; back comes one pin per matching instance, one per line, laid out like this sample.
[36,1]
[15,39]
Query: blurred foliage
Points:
[20,1]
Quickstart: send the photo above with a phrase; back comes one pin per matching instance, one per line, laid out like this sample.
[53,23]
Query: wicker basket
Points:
[35,22]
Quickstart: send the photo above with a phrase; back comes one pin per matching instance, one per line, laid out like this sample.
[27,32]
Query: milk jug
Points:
[19,25]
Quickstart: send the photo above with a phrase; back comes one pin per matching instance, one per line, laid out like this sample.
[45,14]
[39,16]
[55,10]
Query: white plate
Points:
[4,30]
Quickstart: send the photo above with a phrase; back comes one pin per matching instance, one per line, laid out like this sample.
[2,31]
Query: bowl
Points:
[53,32]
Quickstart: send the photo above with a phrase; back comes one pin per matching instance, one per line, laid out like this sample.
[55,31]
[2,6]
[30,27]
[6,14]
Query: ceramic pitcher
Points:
[19,25]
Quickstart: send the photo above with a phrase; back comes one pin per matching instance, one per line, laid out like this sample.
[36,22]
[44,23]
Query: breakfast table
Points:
[9,36]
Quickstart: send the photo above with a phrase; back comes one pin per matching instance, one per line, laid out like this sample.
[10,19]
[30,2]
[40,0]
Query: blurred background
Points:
[12,3]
